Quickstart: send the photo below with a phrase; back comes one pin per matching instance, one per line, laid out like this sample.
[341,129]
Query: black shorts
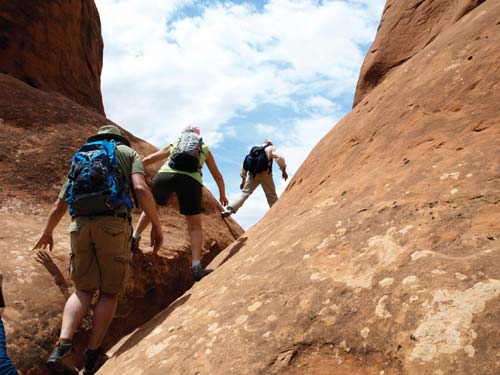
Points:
[188,191]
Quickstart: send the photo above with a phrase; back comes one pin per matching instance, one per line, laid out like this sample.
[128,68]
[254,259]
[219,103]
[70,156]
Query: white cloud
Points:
[164,69]
[321,104]
[268,131]
[230,131]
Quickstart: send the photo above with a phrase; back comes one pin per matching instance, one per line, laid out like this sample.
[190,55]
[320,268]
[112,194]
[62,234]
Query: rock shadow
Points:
[45,259]
[234,250]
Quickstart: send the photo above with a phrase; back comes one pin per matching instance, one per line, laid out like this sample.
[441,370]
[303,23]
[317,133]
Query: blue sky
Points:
[243,71]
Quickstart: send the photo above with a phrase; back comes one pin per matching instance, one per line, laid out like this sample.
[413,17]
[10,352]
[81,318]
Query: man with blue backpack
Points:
[257,170]
[104,174]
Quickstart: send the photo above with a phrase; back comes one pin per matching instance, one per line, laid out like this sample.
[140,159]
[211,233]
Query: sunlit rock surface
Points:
[382,255]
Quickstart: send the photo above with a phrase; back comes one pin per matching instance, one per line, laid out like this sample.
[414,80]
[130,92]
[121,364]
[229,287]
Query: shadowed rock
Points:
[54,46]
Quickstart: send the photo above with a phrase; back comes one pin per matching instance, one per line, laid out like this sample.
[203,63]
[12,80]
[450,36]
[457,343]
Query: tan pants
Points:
[251,183]
[100,253]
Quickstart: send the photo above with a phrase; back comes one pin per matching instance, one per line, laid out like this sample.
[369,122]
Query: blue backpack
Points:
[96,185]
[256,161]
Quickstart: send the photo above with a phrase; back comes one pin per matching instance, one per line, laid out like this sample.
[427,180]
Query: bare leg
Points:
[104,312]
[142,224]
[75,309]
[195,229]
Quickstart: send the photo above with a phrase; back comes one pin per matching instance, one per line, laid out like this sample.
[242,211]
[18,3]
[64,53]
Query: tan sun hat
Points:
[109,132]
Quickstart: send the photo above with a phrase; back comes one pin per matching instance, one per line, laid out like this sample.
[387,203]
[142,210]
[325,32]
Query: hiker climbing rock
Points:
[181,174]
[257,170]
[6,366]
[98,192]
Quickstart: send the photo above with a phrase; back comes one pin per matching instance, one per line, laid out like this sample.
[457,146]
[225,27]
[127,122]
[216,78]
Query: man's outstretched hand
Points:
[284,175]
[46,240]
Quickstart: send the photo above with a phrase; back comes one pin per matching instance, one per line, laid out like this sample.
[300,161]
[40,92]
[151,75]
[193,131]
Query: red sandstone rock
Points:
[40,132]
[382,255]
[405,29]
[54,46]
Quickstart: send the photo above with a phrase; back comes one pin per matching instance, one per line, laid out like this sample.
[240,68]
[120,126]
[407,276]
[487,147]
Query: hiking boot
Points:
[134,245]
[94,359]
[62,361]
[199,272]
[227,212]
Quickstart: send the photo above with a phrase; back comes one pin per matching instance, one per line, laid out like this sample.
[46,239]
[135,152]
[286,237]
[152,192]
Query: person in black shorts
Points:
[188,187]
[188,191]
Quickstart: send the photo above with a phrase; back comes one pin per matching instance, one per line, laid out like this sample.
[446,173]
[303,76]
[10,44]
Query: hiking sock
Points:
[63,342]
[195,263]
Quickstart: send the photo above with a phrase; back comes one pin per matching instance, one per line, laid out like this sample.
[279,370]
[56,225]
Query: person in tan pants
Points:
[99,257]
[250,182]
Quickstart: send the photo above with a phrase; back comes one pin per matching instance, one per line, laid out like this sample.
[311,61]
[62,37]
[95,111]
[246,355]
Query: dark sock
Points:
[93,353]
[91,357]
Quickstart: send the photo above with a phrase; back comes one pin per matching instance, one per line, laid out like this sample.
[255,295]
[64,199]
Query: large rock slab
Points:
[382,255]
[405,29]
[54,46]
[40,132]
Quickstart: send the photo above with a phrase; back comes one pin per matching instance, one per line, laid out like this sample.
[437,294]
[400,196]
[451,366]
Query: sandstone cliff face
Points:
[405,29]
[40,132]
[382,255]
[54,46]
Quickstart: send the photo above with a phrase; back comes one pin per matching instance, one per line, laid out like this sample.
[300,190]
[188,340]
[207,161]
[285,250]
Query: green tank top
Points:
[196,175]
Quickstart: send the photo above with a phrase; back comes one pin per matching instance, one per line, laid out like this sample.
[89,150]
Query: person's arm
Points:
[147,203]
[280,160]
[219,180]
[162,154]
[56,214]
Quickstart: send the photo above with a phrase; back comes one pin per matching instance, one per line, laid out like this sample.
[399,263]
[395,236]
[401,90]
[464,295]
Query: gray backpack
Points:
[185,155]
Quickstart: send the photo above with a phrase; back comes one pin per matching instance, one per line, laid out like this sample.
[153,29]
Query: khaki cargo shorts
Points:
[100,253]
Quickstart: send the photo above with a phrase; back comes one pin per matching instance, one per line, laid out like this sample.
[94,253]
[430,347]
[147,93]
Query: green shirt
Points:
[129,163]
[196,175]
